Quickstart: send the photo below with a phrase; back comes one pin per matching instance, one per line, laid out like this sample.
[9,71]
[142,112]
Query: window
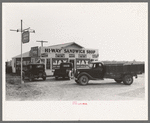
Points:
[47,63]
[39,66]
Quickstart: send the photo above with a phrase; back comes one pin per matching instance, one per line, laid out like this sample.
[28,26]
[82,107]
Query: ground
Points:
[68,90]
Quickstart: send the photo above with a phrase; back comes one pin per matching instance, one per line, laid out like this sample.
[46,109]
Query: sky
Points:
[118,30]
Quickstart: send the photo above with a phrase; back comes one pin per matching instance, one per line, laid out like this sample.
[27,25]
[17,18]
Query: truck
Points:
[63,70]
[33,71]
[120,72]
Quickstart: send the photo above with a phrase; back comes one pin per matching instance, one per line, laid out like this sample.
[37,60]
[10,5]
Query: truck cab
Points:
[94,72]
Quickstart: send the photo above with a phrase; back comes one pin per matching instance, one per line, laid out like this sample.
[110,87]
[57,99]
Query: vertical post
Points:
[21,54]
[41,44]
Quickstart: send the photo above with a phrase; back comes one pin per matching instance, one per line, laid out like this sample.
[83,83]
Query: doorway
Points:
[73,62]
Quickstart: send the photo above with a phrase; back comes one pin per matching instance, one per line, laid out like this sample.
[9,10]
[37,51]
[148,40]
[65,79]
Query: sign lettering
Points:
[25,37]
[71,51]
[57,62]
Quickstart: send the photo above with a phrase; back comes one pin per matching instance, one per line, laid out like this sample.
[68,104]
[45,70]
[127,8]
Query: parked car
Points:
[34,71]
[120,72]
[63,71]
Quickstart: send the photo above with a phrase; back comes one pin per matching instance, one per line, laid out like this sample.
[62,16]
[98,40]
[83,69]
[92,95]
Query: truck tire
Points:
[118,81]
[56,77]
[44,78]
[83,80]
[127,79]
[77,81]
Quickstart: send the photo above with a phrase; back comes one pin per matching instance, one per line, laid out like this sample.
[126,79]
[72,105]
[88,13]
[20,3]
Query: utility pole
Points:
[41,47]
[32,31]
[21,54]
[42,42]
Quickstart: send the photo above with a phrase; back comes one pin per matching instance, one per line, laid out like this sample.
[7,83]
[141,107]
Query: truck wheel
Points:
[118,81]
[56,77]
[31,77]
[127,79]
[83,80]
[77,81]
[44,78]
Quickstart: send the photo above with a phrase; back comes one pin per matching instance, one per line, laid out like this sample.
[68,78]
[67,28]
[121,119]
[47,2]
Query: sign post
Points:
[24,39]
[21,54]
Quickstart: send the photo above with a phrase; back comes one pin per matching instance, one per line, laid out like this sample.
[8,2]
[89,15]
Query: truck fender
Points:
[84,73]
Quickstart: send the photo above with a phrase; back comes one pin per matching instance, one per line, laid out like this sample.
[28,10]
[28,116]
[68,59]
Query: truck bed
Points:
[117,70]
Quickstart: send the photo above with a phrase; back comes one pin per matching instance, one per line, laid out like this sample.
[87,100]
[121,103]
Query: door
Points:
[73,62]
[48,69]
[97,70]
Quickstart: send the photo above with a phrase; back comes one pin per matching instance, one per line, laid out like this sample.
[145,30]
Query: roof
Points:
[97,62]
[36,64]
[26,54]
[65,45]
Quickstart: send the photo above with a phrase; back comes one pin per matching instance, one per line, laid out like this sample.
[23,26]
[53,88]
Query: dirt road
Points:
[68,90]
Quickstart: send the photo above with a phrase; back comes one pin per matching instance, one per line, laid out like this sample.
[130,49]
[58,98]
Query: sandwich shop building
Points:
[53,56]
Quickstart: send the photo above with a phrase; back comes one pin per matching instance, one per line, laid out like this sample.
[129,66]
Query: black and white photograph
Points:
[75,61]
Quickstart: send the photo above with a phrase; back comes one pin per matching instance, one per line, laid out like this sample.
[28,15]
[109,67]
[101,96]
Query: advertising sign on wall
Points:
[69,51]
[95,55]
[71,55]
[82,63]
[59,55]
[34,52]
[82,56]
[56,62]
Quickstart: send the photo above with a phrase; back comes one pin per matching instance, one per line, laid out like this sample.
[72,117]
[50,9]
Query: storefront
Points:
[80,58]
[52,56]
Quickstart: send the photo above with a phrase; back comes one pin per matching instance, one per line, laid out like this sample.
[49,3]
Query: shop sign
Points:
[56,62]
[25,37]
[44,54]
[82,56]
[71,51]
[82,63]
[34,52]
[59,55]
[71,55]
[95,55]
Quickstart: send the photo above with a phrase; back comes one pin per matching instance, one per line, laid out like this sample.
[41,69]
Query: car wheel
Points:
[31,77]
[118,81]
[127,79]
[83,80]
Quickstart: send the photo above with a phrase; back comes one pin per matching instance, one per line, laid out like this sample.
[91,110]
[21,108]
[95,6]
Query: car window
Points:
[66,65]
[39,66]
[94,65]
[98,65]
